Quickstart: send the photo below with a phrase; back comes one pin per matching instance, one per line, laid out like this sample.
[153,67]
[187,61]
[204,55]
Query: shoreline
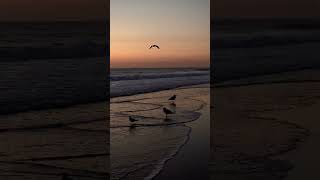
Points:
[56,144]
[197,145]
[148,98]
[155,173]
[217,84]
[244,147]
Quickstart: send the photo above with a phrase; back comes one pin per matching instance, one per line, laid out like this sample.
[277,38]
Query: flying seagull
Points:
[154,46]
[167,111]
[172,98]
[131,119]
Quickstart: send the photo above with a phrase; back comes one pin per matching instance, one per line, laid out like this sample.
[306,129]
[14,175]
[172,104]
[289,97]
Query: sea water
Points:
[46,65]
[142,80]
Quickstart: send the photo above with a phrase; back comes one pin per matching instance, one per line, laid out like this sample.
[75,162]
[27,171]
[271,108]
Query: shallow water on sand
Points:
[48,143]
[267,123]
[192,160]
[141,150]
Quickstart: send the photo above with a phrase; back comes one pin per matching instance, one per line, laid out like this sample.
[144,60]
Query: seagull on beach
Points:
[167,111]
[172,98]
[131,119]
[154,46]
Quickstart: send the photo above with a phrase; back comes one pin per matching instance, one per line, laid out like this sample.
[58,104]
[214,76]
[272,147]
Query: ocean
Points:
[125,82]
[47,65]
[249,47]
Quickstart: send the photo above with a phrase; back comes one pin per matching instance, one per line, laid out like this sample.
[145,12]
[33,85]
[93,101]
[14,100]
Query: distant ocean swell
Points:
[55,50]
[52,65]
[243,48]
[130,82]
[156,75]
[265,39]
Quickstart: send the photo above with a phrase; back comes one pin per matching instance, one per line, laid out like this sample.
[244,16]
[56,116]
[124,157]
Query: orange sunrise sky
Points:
[180,27]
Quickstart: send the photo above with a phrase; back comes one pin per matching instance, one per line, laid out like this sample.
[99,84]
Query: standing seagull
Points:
[172,98]
[154,46]
[167,111]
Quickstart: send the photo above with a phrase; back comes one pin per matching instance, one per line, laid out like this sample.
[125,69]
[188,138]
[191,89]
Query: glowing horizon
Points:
[180,27]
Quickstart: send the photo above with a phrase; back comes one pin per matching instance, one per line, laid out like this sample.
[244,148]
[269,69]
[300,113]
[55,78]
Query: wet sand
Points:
[193,159]
[45,144]
[142,151]
[266,127]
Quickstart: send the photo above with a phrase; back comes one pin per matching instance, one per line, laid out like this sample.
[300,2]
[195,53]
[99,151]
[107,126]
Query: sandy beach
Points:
[46,144]
[266,127]
[154,145]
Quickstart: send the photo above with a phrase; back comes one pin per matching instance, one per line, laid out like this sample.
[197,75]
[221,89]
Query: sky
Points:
[180,27]
[266,8]
[53,10]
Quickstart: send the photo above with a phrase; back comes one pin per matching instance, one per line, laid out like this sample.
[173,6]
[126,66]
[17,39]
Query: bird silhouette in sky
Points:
[154,46]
